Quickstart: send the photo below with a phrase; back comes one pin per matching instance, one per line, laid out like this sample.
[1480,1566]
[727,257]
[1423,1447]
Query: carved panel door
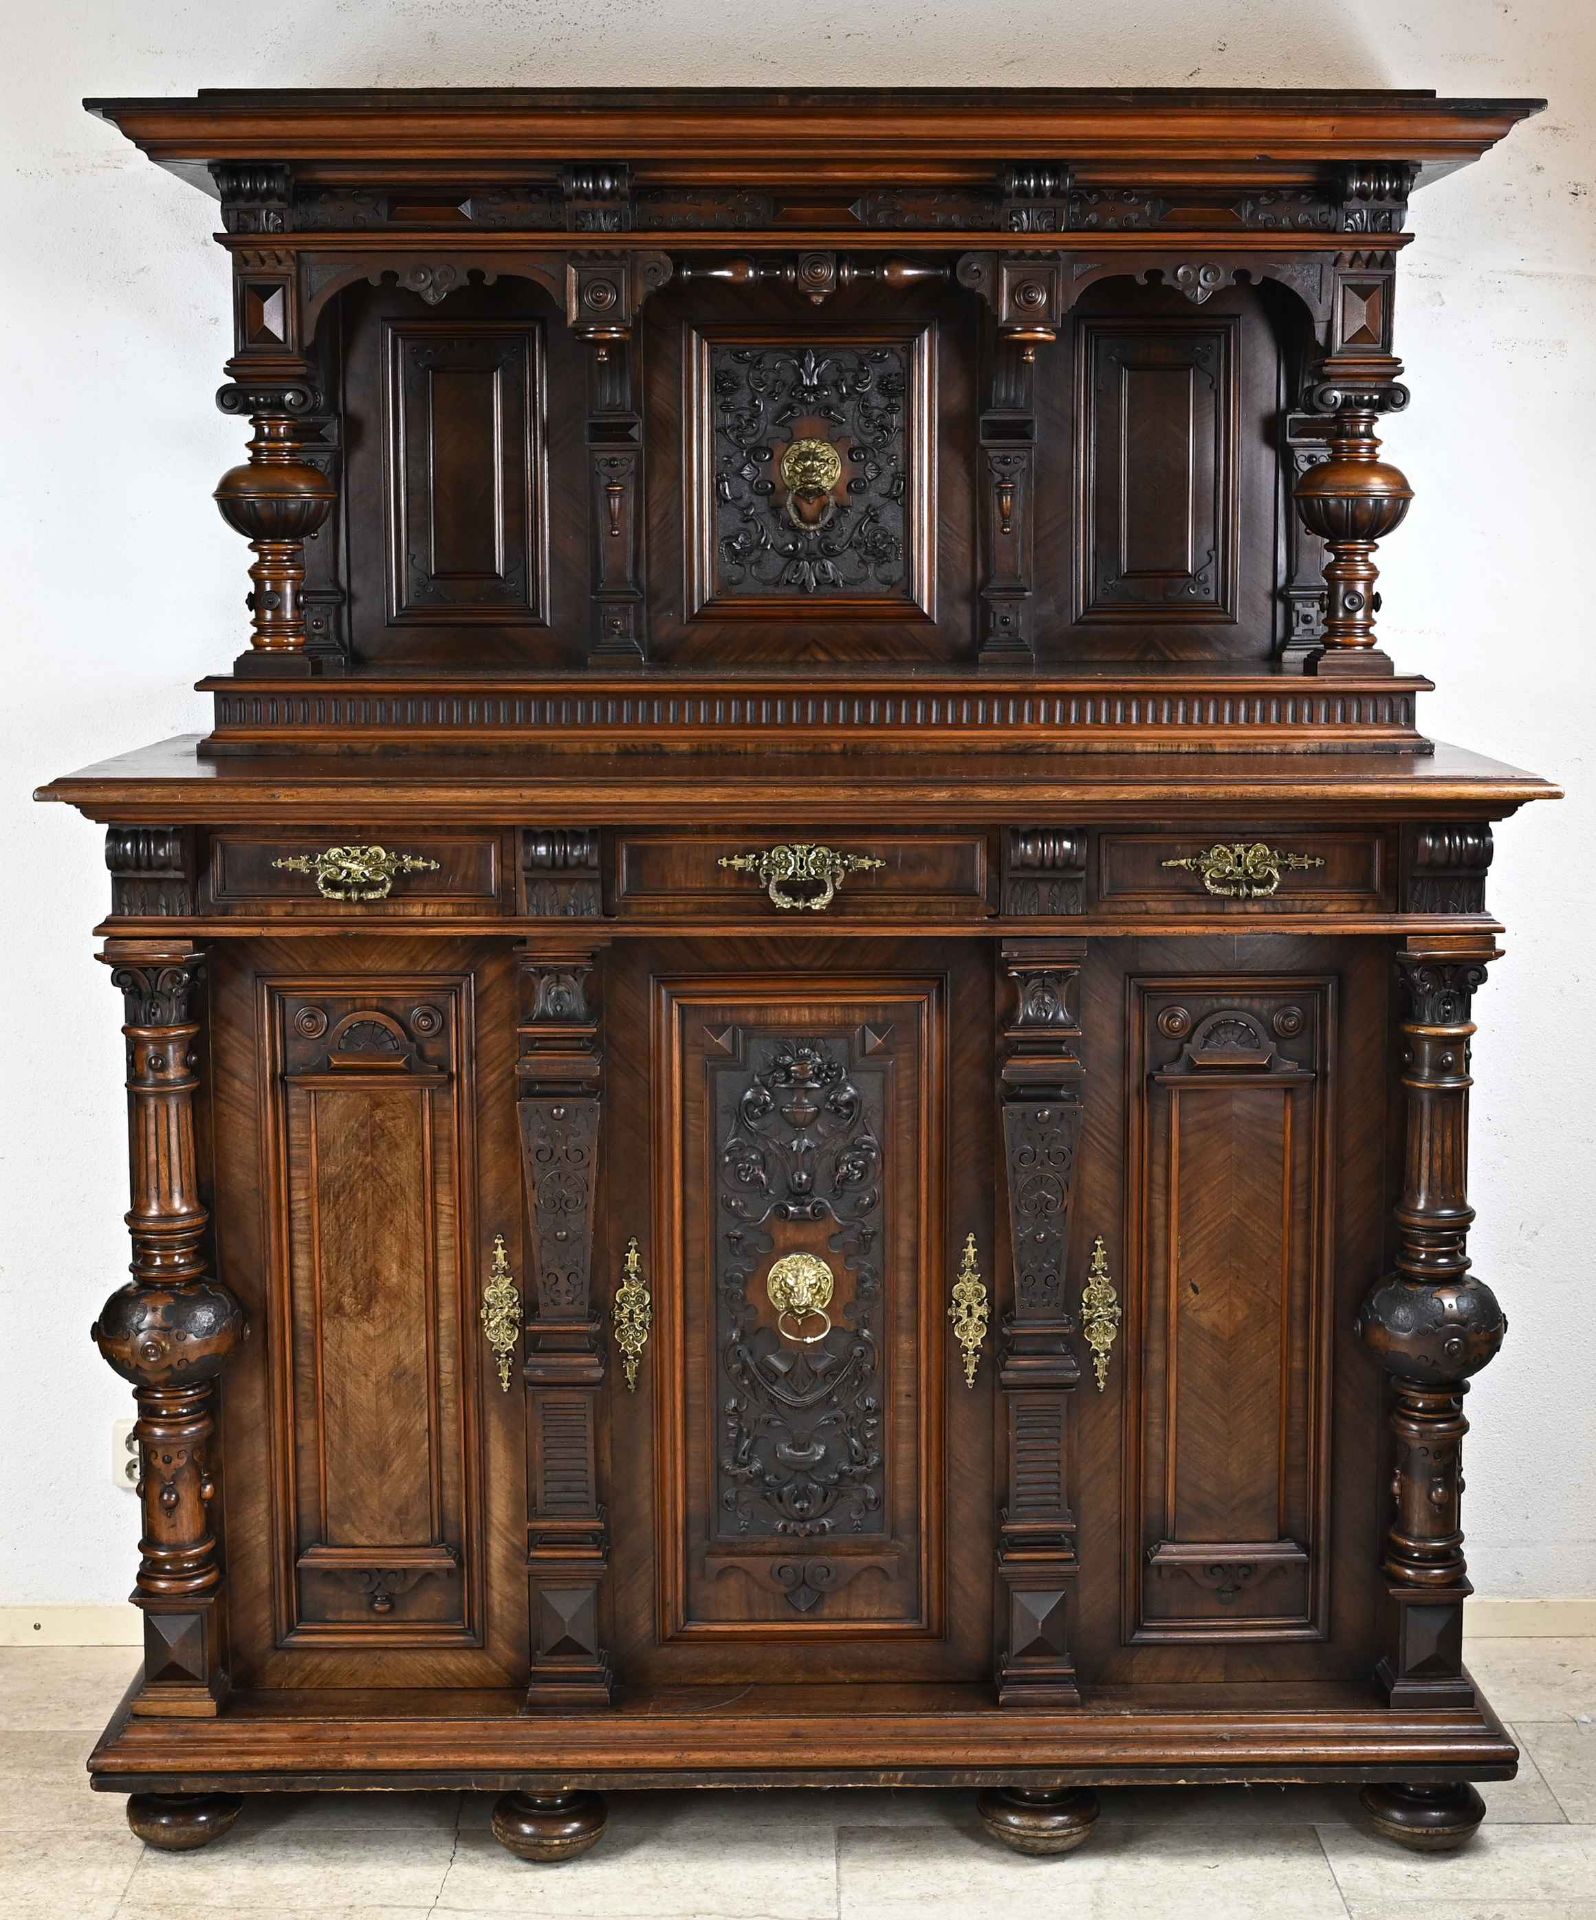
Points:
[1235,1104]
[801,1482]
[365,1158]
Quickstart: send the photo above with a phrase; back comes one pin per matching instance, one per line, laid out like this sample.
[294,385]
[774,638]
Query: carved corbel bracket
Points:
[604,292]
[1027,293]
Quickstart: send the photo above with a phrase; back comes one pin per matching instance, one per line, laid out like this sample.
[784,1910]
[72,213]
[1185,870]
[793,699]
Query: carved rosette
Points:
[170,1331]
[1432,1324]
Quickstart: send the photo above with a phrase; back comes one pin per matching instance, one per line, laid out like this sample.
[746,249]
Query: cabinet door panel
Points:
[1232,1160]
[803,1509]
[382,1475]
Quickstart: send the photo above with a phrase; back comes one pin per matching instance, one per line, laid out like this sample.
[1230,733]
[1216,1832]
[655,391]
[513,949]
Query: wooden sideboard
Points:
[798,1053]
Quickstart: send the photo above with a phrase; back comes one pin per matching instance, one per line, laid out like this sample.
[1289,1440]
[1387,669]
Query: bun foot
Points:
[180,1822]
[1428,1819]
[548,1827]
[1038,1822]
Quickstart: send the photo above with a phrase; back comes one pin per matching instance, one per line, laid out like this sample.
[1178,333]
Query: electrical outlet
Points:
[124,1455]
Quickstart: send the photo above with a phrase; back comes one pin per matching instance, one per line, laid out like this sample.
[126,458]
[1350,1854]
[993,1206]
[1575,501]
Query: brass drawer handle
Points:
[1242,872]
[633,1315]
[799,863]
[355,873]
[1100,1312]
[501,1311]
[970,1312]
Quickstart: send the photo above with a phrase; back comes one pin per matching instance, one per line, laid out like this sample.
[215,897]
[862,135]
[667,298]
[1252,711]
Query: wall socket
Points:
[124,1455]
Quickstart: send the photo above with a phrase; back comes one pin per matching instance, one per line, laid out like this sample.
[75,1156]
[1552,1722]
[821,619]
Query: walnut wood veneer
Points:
[798,1053]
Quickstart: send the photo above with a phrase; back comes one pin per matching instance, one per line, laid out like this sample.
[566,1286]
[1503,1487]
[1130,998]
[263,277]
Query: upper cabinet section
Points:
[996,387]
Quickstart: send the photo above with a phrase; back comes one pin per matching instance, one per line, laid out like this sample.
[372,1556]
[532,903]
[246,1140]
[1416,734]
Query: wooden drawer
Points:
[1318,868]
[909,875]
[427,875]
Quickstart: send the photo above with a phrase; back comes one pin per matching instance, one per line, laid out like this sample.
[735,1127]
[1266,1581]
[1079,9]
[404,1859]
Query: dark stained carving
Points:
[152,871]
[799,1125]
[838,523]
[1044,870]
[560,873]
[1444,868]
[255,195]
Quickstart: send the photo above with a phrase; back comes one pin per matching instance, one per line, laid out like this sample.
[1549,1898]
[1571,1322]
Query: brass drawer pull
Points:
[970,1312]
[633,1315]
[501,1311]
[1100,1313]
[355,873]
[803,865]
[1242,872]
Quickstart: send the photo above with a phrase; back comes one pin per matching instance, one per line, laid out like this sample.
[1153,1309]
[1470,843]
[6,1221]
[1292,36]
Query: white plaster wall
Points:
[121,586]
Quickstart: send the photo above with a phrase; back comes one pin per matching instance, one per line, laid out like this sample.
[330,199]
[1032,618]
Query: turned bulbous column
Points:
[277,501]
[1352,501]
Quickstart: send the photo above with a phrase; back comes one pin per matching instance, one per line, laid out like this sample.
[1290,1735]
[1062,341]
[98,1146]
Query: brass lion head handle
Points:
[800,1286]
[810,470]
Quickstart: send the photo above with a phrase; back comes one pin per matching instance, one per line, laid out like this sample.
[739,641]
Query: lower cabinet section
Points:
[996,1311]
[808,1358]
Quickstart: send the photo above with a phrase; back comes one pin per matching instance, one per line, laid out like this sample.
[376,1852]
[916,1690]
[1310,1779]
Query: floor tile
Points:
[1124,1872]
[667,1856]
[1536,1679]
[43,1786]
[1480,1910]
[1528,1800]
[48,1689]
[187,1910]
[1506,1864]
[1565,1752]
[273,1869]
[62,1875]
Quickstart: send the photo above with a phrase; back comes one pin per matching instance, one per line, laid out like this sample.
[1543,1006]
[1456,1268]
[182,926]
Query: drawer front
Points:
[394,871]
[795,877]
[1254,870]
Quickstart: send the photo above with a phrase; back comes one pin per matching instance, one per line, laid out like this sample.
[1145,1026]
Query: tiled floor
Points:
[1227,1853]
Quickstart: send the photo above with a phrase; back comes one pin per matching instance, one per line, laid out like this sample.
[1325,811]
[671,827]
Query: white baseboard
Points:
[119,1626]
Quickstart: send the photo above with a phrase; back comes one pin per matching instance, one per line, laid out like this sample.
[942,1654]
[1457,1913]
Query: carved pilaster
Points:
[558,1076]
[615,514]
[1431,1324]
[1008,439]
[1042,1078]
[170,1331]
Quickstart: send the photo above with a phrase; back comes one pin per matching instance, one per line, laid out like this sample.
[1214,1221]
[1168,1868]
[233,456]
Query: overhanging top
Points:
[905,135]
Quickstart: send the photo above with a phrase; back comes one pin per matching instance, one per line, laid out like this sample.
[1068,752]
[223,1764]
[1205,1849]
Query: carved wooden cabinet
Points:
[812,997]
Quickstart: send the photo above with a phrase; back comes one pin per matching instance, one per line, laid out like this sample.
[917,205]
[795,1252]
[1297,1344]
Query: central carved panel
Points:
[812,491]
[799,1129]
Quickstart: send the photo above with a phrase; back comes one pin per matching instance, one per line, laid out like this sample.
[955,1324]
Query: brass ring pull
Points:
[355,873]
[817,871]
[1242,872]
[800,1286]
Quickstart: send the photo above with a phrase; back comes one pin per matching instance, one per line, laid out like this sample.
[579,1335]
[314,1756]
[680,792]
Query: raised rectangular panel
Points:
[380,1515]
[465,472]
[1229,1299]
[1158,524]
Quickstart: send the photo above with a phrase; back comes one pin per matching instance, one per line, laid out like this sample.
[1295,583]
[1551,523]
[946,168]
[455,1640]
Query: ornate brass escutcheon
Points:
[801,864]
[355,873]
[969,1312]
[1100,1313]
[1242,872]
[800,1286]
[633,1315]
[501,1311]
